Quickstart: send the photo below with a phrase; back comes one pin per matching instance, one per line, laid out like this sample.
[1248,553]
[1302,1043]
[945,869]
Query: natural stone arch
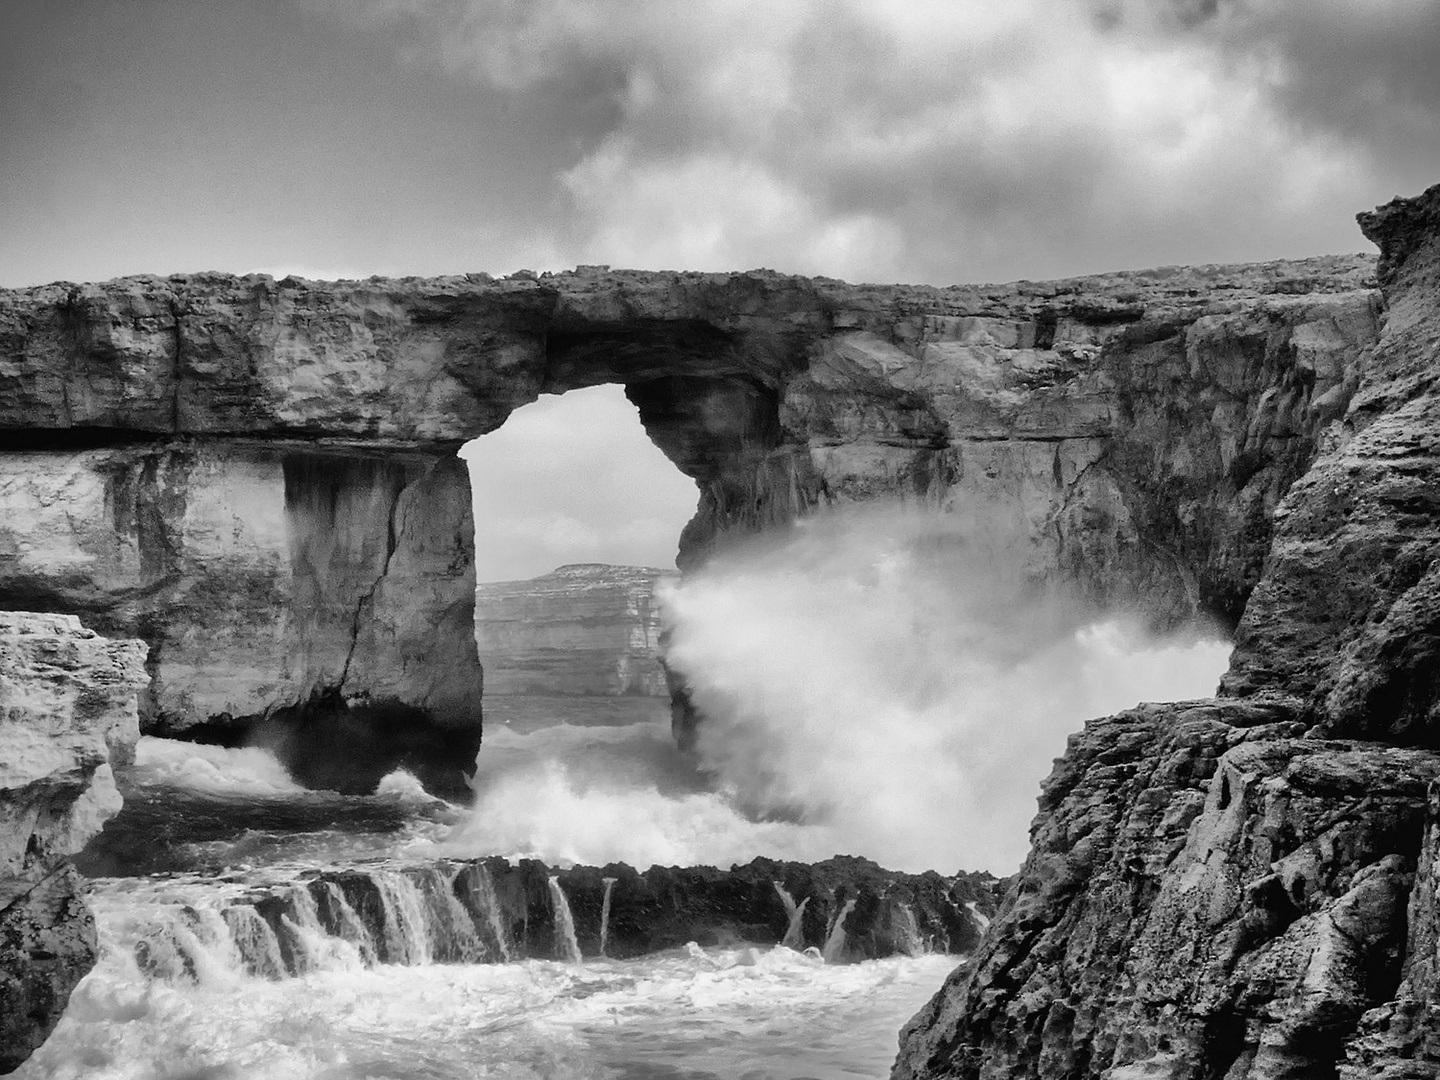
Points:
[259,477]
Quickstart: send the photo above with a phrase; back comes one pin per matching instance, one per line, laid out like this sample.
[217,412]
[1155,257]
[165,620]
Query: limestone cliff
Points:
[258,477]
[67,710]
[587,628]
[1245,889]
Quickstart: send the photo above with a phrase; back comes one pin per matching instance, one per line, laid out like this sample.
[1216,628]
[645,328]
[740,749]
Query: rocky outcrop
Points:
[67,710]
[1208,894]
[1245,889]
[261,575]
[1347,618]
[258,477]
[588,628]
[490,911]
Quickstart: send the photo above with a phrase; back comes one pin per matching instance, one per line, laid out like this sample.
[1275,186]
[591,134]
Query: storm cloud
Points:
[955,140]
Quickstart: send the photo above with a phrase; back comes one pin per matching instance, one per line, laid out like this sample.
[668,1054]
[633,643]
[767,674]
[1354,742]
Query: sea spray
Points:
[900,681]
[605,914]
[794,935]
[568,794]
[565,943]
[218,770]
[834,950]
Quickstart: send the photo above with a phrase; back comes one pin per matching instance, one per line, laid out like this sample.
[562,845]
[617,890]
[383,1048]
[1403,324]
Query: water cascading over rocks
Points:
[490,911]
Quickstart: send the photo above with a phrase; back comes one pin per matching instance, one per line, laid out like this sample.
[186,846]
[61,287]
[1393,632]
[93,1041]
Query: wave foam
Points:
[214,770]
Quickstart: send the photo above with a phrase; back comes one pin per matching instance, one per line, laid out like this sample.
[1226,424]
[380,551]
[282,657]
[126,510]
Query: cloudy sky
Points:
[896,140]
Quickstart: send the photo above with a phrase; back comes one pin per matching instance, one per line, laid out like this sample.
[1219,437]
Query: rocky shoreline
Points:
[493,911]
[1237,889]
[1246,888]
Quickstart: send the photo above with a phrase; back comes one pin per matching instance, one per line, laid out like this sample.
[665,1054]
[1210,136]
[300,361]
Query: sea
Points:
[881,685]
[190,985]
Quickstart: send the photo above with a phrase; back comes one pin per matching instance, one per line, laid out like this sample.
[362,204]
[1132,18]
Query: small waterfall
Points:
[348,926]
[906,929]
[835,943]
[794,936]
[981,919]
[605,914]
[565,943]
[482,895]
[407,925]
[189,943]
[312,948]
[453,930]
[256,941]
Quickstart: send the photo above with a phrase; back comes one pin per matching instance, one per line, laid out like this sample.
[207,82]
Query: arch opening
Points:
[578,515]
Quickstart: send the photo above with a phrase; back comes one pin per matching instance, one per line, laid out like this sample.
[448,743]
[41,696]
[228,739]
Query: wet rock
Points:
[67,711]
[490,911]
[1207,895]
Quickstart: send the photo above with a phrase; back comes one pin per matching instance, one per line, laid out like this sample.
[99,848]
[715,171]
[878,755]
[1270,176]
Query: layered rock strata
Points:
[258,477]
[67,710]
[587,628]
[1245,889]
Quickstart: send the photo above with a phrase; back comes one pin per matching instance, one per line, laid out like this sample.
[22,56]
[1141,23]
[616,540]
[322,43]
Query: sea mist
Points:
[885,682]
[896,678]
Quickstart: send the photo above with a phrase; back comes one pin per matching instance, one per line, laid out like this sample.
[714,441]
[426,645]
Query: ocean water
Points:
[883,686]
[186,989]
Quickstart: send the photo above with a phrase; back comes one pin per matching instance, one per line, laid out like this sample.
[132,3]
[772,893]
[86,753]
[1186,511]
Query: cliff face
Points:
[1243,889]
[258,477]
[67,709]
[258,574]
[582,629]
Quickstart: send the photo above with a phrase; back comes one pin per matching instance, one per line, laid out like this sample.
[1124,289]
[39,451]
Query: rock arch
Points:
[259,478]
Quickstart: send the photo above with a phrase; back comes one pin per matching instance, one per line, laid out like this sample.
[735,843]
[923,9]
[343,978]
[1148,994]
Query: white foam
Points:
[898,680]
[214,770]
[874,686]
[404,785]
[727,1012]
[540,811]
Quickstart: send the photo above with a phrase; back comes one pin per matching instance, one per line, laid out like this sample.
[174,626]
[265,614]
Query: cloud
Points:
[1364,71]
[955,140]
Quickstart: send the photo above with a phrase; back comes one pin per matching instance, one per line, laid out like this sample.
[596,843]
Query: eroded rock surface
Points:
[258,477]
[587,628]
[67,709]
[1347,618]
[1245,889]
